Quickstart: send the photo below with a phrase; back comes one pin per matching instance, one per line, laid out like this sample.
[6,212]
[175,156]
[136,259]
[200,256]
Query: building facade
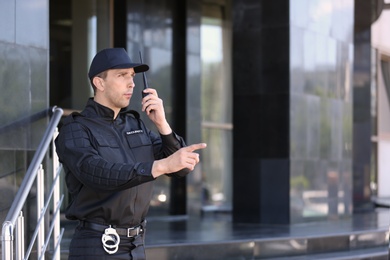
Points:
[282,92]
[24,77]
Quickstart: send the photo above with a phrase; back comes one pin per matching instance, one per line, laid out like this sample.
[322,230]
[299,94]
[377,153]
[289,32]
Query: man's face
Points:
[117,88]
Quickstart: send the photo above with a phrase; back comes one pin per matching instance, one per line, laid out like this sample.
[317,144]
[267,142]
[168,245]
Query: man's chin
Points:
[125,104]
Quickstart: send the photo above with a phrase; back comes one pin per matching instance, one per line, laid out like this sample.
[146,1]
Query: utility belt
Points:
[111,235]
[125,232]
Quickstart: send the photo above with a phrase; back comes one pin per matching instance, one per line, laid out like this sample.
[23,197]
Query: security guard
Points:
[110,160]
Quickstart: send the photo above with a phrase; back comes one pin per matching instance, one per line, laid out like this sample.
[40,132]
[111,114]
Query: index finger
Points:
[194,147]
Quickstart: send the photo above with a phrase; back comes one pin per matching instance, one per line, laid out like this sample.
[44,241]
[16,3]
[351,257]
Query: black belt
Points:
[127,232]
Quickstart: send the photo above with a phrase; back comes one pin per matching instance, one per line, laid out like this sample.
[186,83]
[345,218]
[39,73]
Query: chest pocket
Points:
[108,148]
[137,139]
[107,141]
[141,146]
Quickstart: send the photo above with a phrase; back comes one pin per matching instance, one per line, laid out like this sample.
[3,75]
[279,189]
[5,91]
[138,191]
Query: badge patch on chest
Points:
[134,132]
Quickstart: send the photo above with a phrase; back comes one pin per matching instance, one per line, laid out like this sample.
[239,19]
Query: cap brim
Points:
[141,68]
[138,67]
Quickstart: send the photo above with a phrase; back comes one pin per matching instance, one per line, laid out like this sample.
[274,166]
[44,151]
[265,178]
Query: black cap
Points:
[113,58]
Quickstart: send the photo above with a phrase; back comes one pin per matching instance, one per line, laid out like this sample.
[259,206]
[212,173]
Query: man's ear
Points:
[98,82]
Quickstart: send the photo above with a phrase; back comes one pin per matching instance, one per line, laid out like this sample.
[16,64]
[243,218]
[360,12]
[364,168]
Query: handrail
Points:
[25,187]
[31,173]
[26,120]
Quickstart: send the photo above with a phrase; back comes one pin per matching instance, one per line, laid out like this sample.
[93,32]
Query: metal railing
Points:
[13,226]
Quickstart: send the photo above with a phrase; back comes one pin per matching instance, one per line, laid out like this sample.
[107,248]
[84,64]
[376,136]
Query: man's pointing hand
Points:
[182,158]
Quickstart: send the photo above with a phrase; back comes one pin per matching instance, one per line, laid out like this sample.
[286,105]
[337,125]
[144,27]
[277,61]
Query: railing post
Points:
[40,213]
[7,241]
[19,237]
[56,199]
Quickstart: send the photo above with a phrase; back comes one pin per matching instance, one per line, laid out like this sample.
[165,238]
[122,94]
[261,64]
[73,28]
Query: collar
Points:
[94,108]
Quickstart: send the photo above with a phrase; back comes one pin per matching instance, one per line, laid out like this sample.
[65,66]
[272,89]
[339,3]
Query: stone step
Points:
[193,253]
[363,236]
[372,243]
[377,253]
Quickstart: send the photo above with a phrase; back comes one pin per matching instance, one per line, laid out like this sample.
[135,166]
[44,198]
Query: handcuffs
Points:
[110,240]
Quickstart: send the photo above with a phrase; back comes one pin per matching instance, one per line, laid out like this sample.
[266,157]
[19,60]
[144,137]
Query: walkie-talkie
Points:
[144,77]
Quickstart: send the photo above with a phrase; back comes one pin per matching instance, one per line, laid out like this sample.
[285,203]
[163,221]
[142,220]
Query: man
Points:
[110,159]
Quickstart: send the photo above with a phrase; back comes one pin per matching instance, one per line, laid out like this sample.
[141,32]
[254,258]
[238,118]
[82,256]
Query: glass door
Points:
[216,106]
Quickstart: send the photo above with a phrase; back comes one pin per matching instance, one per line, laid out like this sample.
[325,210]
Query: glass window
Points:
[216,106]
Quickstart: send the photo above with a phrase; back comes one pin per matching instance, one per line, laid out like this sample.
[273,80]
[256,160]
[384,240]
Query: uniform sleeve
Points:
[74,146]
[165,145]
[171,144]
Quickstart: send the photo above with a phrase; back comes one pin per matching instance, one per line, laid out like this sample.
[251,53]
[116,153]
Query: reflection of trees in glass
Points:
[325,140]
[212,97]
[214,110]
[213,160]
[17,94]
[299,183]
[211,109]
[298,129]
[347,131]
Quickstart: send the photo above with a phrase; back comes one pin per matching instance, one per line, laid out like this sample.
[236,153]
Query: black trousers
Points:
[87,244]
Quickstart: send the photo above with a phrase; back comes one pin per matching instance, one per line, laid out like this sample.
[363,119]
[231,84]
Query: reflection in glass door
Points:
[216,106]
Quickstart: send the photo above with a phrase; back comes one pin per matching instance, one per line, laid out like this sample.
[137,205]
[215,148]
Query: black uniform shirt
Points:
[108,163]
